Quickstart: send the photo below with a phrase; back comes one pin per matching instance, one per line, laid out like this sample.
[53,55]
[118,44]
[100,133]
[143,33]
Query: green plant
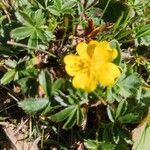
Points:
[36,35]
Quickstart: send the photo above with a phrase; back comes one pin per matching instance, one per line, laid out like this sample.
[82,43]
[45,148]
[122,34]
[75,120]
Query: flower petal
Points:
[91,47]
[104,53]
[107,74]
[114,53]
[94,42]
[84,81]
[101,54]
[82,49]
[73,64]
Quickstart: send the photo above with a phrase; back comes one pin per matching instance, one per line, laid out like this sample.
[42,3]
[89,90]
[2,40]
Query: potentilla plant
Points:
[80,71]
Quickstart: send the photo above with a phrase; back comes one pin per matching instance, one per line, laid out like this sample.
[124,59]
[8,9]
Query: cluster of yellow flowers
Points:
[92,65]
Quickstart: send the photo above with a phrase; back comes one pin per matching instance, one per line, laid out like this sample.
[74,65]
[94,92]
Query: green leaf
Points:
[61,7]
[53,11]
[29,86]
[50,109]
[79,116]
[122,145]
[58,4]
[120,134]
[67,7]
[106,146]
[8,77]
[62,115]
[108,132]
[126,86]
[129,118]
[143,141]
[39,18]
[28,20]
[45,81]
[121,109]
[124,34]
[144,40]
[110,114]
[21,32]
[112,95]
[71,119]
[143,31]
[11,63]
[96,145]
[118,22]
[31,72]
[91,144]
[2,18]
[129,85]
[33,106]
[145,96]
[33,40]
[57,85]
[41,34]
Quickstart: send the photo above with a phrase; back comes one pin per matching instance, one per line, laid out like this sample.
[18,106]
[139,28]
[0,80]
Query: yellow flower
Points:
[92,65]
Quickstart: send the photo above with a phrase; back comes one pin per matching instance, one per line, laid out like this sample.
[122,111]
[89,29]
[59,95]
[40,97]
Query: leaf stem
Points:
[25,46]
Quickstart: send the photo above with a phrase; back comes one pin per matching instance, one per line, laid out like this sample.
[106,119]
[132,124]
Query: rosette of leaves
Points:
[33,28]
[62,7]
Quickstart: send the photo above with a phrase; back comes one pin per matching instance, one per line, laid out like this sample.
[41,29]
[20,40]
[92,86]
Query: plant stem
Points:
[25,46]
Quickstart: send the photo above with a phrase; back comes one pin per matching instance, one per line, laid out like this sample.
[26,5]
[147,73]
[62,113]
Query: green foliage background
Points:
[35,35]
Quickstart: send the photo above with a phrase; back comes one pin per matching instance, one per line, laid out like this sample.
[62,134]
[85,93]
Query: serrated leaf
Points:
[71,119]
[62,115]
[96,145]
[39,18]
[144,40]
[60,100]
[122,107]
[57,85]
[120,134]
[8,77]
[128,86]
[91,144]
[41,34]
[31,72]
[27,19]
[145,96]
[33,40]
[11,63]
[53,11]
[33,106]
[128,118]
[50,109]
[21,32]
